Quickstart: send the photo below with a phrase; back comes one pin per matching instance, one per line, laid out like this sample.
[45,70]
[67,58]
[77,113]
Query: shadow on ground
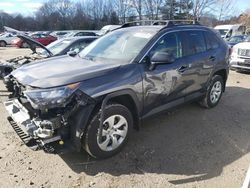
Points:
[187,141]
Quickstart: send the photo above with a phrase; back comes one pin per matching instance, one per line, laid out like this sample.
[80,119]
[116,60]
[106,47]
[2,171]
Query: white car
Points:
[240,58]
[6,39]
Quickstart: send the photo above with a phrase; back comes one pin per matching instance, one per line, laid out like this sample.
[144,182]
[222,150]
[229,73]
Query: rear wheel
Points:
[115,131]
[3,44]
[214,92]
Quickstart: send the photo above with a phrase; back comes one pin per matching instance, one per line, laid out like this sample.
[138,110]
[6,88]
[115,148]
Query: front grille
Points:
[244,52]
[244,64]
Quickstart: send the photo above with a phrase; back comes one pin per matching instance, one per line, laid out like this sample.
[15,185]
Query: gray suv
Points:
[93,100]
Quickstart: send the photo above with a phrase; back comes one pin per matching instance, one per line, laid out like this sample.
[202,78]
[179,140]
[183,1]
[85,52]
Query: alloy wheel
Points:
[114,132]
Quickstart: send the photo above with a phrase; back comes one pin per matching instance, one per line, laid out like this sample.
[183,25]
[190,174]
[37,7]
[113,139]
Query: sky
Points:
[27,7]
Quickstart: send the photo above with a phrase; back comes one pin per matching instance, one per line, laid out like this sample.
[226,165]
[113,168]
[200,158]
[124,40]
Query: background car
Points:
[240,58]
[107,28]
[39,37]
[81,33]
[235,40]
[59,34]
[63,46]
[6,39]
[60,47]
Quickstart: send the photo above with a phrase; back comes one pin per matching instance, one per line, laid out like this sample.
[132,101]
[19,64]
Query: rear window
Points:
[197,42]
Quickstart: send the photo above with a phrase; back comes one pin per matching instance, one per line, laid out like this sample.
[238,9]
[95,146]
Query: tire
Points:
[214,92]
[3,44]
[107,148]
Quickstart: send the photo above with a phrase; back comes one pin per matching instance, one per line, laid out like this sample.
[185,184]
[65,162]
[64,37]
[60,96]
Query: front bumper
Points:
[26,128]
[240,64]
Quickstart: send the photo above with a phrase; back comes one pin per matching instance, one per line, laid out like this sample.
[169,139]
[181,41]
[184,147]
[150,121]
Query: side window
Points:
[78,46]
[170,44]
[212,41]
[85,34]
[197,42]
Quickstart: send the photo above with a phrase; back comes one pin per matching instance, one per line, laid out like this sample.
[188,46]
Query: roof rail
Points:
[166,23]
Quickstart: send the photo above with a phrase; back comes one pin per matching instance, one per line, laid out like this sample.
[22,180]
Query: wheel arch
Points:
[4,42]
[125,97]
[224,74]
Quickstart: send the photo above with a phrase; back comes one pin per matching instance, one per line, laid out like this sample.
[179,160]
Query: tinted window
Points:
[196,42]
[85,34]
[80,45]
[211,40]
[170,44]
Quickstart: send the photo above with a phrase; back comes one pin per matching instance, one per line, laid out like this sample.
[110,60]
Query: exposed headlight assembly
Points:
[50,98]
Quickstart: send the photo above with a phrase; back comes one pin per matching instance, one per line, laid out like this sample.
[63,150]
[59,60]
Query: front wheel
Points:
[214,92]
[117,125]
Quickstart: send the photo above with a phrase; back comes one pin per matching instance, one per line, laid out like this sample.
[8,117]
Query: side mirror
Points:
[161,58]
[72,53]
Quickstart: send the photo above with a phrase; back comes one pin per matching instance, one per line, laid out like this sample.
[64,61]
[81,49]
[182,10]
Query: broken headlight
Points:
[50,98]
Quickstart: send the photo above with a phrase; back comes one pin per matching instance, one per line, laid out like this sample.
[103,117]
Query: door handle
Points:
[183,68]
[212,58]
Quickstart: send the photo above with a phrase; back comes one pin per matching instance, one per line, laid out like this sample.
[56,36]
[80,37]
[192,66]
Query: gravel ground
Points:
[187,147]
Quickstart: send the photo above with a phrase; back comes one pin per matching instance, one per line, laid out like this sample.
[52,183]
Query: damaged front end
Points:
[45,118]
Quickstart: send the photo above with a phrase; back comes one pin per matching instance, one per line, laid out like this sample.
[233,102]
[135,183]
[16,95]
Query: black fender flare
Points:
[83,115]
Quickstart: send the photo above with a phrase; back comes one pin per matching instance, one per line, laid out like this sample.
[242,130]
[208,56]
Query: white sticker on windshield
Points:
[143,35]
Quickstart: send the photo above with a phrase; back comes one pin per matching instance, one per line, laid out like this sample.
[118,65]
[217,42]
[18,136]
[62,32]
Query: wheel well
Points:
[128,101]
[223,74]
[3,41]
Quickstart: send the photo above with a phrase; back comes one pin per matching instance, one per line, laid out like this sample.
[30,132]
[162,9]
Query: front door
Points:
[166,82]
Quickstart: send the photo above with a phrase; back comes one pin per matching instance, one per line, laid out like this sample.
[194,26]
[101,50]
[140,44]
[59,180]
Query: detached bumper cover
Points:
[24,126]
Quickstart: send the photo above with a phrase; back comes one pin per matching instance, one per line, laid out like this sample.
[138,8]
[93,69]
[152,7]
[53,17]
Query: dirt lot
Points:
[188,147]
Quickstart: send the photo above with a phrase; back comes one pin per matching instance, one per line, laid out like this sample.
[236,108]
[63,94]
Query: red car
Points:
[43,39]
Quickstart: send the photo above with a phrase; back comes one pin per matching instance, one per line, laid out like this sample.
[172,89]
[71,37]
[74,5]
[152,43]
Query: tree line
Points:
[93,14]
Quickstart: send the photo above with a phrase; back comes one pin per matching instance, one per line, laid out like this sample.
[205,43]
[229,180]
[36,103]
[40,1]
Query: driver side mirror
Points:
[73,52]
[161,58]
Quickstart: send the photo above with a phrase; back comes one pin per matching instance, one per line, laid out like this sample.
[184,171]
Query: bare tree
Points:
[138,5]
[225,8]
[245,19]
[123,8]
[200,7]
[153,8]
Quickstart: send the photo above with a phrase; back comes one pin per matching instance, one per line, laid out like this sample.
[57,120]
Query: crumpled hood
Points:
[62,70]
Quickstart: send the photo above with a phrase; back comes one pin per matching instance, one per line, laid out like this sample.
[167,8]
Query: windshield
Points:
[223,31]
[236,39]
[122,45]
[57,46]
[247,39]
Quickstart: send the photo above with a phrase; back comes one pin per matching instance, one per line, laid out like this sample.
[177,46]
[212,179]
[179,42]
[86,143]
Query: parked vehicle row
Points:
[93,100]
[239,43]
[46,37]
[63,46]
